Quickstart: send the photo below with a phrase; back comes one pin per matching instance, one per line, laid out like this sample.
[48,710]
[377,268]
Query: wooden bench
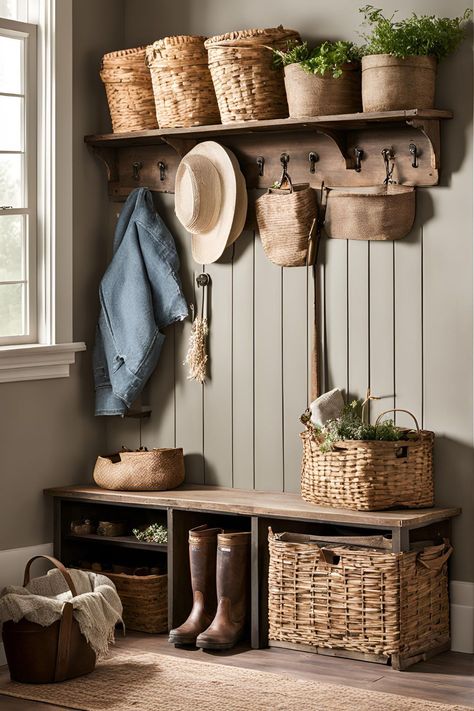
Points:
[192,505]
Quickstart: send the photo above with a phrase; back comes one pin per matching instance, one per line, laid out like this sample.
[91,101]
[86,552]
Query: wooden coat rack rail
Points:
[340,150]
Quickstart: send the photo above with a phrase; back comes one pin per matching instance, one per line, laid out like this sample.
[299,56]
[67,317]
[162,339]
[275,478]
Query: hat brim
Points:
[209,246]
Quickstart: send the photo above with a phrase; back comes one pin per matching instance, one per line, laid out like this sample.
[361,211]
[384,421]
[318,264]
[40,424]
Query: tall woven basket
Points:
[369,475]
[129,91]
[362,599]
[247,86]
[144,599]
[182,84]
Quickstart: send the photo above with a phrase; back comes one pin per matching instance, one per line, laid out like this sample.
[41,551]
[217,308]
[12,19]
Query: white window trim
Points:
[55,351]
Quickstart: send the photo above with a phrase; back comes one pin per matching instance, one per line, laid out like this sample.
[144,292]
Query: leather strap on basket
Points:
[57,564]
[64,643]
[399,409]
[438,562]
[313,252]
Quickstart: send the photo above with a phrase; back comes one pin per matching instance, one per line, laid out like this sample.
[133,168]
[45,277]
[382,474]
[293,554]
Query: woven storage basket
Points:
[182,84]
[144,599]
[369,475]
[129,91]
[156,470]
[285,220]
[382,212]
[247,86]
[340,596]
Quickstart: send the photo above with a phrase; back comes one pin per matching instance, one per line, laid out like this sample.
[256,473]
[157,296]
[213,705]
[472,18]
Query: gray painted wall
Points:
[397,317]
[48,435]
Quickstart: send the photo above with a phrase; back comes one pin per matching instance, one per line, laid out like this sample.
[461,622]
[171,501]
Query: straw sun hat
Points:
[210,199]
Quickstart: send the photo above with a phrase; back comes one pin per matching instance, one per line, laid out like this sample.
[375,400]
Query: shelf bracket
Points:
[108,157]
[340,139]
[180,145]
[430,129]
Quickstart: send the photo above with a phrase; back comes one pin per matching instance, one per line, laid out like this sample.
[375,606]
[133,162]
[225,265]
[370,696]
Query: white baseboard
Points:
[12,567]
[13,561]
[462,616]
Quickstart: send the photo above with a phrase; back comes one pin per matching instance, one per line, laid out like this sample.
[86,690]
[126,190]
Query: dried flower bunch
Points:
[155,533]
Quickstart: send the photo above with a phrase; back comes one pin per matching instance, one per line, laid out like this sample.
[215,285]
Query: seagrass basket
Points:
[286,220]
[246,84]
[143,470]
[369,475]
[381,212]
[144,599]
[182,84]
[362,599]
[129,90]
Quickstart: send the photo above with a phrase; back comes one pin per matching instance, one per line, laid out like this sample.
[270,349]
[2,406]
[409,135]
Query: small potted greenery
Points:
[321,81]
[400,57]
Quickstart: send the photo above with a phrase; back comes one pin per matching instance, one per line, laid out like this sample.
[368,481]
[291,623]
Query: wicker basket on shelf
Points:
[369,475]
[247,86]
[144,599]
[346,597]
[182,84]
[129,90]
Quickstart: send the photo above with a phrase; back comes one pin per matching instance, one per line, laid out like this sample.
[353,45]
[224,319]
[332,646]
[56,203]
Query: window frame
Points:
[53,351]
[28,33]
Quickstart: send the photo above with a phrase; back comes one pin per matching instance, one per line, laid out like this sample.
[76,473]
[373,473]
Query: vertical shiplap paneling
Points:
[218,386]
[381,329]
[268,373]
[408,347]
[188,393]
[336,313]
[294,370]
[358,318]
[242,361]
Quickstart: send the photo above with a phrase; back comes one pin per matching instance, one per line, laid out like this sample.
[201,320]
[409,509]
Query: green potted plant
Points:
[321,81]
[400,57]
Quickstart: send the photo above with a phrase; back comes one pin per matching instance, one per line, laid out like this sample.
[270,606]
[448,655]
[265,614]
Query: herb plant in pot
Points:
[321,81]
[400,58]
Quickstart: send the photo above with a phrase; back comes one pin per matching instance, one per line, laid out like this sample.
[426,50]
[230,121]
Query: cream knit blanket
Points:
[97,606]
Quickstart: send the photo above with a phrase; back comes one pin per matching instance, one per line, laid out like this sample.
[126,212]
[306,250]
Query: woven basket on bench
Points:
[182,84]
[369,475]
[340,596]
[247,86]
[129,91]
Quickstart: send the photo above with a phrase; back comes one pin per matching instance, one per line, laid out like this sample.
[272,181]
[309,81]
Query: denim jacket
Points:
[140,293]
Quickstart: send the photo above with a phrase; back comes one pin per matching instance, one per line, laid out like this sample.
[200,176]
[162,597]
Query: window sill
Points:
[37,362]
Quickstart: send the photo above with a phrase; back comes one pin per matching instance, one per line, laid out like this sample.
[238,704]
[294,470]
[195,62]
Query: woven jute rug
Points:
[133,681]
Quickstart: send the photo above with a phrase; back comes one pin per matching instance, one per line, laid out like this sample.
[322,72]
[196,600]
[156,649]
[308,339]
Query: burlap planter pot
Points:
[315,95]
[393,83]
[383,212]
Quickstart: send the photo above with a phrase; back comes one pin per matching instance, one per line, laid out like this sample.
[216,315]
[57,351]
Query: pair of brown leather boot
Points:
[219,576]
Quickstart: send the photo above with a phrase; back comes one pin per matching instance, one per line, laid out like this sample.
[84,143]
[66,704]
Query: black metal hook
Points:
[313,159]
[136,167]
[358,157]
[203,279]
[414,154]
[162,169]
[261,163]
[285,178]
[388,156]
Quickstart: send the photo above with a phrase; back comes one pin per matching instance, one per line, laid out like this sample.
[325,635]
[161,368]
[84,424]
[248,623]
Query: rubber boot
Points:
[202,559]
[233,559]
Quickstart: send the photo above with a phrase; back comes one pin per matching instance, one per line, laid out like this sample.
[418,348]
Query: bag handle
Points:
[57,564]
[437,563]
[399,409]
[64,643]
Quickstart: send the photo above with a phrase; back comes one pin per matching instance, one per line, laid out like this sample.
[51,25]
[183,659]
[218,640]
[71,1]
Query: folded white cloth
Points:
[327,407]
[96,607]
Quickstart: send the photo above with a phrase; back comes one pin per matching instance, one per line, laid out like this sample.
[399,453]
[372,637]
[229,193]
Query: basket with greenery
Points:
[321,80]
[350,463]
[402,55]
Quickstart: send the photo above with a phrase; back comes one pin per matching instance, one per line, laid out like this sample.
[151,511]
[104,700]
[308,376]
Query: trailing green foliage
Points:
[415,35]
[326,57]
[350,425]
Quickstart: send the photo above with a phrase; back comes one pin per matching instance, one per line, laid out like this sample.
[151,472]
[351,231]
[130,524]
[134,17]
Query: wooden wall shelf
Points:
[150,158]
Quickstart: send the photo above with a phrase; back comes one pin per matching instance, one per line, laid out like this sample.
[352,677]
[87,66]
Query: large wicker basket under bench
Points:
[236,509]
